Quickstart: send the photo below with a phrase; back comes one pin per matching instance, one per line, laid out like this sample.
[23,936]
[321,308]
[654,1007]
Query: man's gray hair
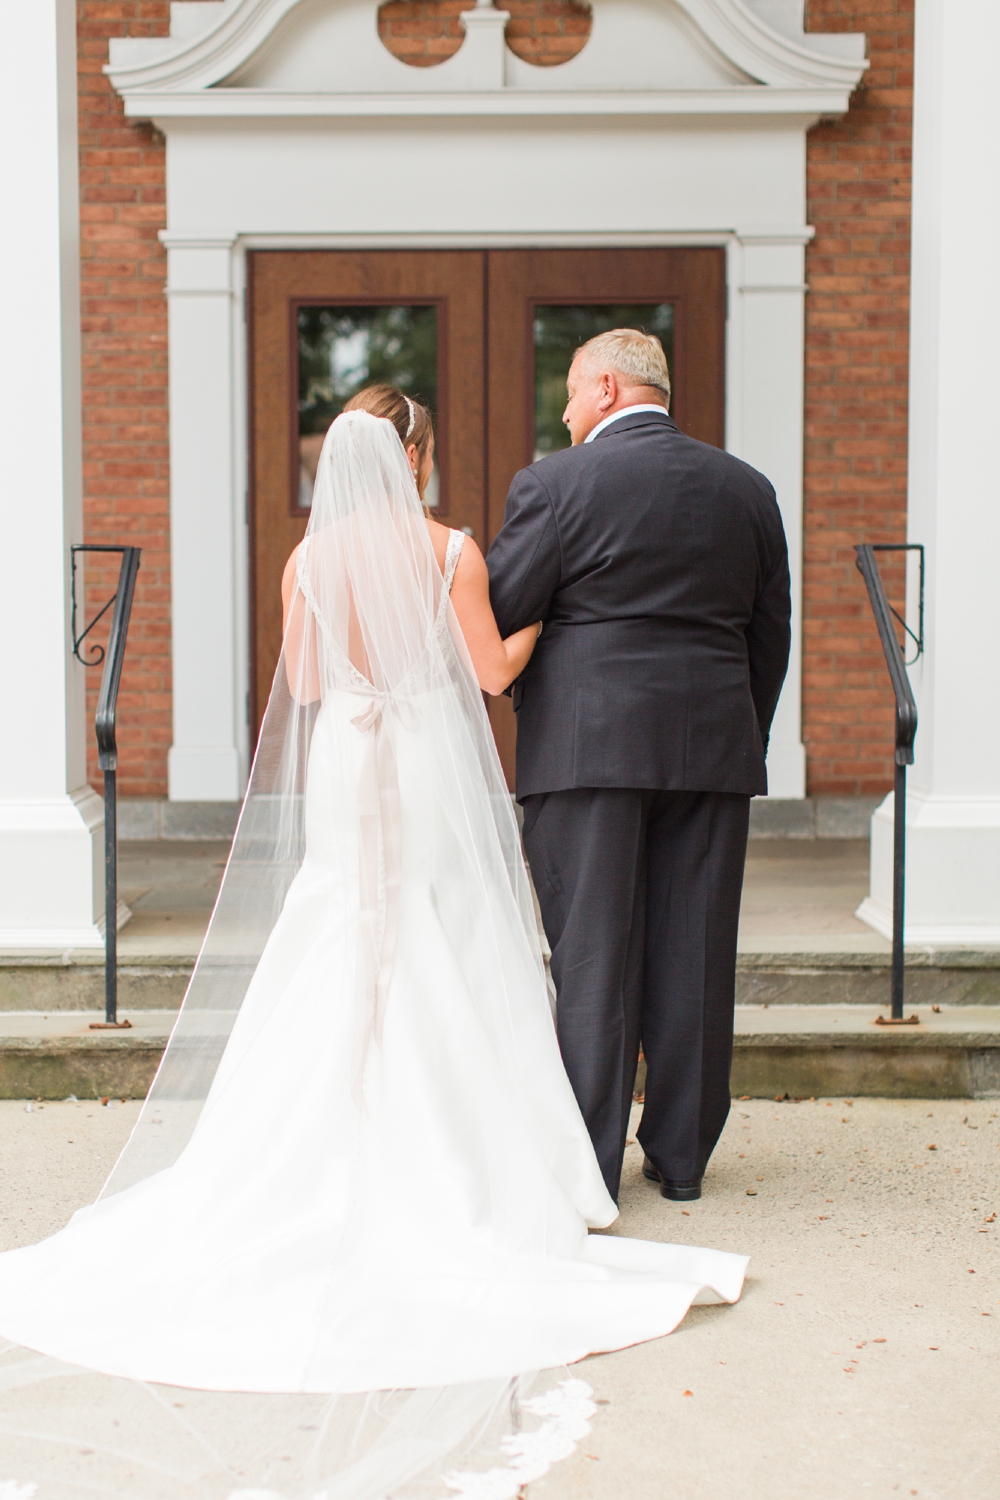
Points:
[637,358]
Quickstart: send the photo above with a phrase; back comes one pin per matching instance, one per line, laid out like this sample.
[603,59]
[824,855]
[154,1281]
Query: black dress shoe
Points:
[678,1192]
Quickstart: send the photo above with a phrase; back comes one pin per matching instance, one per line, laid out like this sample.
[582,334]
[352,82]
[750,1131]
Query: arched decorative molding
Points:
[222,47]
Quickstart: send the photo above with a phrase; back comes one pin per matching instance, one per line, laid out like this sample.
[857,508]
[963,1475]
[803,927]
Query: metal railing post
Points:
[107,749]
[906,729]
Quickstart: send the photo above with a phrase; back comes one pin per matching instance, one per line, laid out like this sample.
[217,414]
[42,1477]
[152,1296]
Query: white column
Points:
[209,688]
[765,405]
[51,845]
[953,796]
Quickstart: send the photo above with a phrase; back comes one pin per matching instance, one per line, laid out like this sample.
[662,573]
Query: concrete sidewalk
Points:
[861,1361]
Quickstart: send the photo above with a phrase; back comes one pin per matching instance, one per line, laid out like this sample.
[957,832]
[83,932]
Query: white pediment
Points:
[251,55]
[333,45]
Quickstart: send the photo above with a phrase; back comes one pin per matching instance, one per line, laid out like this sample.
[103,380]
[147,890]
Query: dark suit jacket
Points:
[660,569]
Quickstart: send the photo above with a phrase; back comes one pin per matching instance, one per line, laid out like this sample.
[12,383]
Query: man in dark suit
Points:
[659,567]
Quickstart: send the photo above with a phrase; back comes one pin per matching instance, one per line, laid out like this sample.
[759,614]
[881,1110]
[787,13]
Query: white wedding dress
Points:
[389,1183]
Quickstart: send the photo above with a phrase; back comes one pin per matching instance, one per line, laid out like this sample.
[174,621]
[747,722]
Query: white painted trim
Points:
[207,761]
[879,918]
[51,862]
[254,104]
[555,240]
[237,30]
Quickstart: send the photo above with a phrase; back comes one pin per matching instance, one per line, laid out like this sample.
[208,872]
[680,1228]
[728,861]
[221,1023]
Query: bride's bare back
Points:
[496,662]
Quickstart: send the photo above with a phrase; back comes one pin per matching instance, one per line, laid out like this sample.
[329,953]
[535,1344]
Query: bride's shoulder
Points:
[288,576]
[440,536]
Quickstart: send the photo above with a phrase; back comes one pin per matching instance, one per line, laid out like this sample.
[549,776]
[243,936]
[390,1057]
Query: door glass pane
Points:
[342,349]
[559,332]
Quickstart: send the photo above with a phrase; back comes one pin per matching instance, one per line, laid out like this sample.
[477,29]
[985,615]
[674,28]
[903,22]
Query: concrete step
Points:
[860,975]
[54,1055]
[800,1051]
[74,981]
[155,978]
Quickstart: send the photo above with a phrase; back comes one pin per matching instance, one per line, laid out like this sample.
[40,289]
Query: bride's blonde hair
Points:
[411,420]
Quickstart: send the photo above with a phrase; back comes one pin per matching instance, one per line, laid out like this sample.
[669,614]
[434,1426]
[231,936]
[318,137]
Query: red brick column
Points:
[857,314]
[124,320]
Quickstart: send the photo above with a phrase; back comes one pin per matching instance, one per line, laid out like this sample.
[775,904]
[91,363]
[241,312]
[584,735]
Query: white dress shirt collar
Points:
[626,411]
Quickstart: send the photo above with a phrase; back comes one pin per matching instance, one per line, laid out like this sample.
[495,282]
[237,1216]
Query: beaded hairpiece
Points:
[413,415]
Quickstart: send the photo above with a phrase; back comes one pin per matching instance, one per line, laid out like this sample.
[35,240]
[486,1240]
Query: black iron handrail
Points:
[906,729]
[107,746]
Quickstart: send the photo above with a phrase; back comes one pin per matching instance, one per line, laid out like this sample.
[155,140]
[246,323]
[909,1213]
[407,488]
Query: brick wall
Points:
[125,459]
[856,395]
[426,32]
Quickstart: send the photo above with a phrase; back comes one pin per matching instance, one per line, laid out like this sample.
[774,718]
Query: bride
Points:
[361,1167]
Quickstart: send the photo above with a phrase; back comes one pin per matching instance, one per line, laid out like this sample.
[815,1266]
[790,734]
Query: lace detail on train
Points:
[567,1411]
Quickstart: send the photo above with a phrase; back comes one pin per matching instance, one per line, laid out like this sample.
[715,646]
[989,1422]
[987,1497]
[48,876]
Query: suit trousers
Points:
[640,899]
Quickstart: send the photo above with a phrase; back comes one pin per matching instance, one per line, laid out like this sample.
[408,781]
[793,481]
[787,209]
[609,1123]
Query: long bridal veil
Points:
[374,684]
[367,619]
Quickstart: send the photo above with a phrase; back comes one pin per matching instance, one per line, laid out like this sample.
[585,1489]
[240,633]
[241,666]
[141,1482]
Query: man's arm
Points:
[769,634]
[524,561]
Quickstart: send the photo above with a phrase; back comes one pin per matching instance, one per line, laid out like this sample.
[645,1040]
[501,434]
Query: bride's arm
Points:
[497,662]
[298,639]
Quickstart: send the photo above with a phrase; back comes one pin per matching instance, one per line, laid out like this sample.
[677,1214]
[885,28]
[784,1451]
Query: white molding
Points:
[207,760]
[238,29]
[51,858]
[927,935]
[554,240]
[809,105]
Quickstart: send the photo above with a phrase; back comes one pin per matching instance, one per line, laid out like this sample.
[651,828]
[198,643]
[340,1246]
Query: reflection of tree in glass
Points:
[559,332]
[342,349]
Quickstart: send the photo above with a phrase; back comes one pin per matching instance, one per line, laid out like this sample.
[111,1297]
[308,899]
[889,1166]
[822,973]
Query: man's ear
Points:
[609,391]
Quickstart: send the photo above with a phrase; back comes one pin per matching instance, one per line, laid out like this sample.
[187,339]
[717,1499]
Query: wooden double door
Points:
[484,337]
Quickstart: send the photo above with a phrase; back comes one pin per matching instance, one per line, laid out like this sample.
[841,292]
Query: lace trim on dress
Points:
[567,1411]
[456,541]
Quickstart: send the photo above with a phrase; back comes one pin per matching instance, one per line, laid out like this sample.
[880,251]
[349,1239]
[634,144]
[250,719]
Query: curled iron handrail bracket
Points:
[112,657]
[906,729]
